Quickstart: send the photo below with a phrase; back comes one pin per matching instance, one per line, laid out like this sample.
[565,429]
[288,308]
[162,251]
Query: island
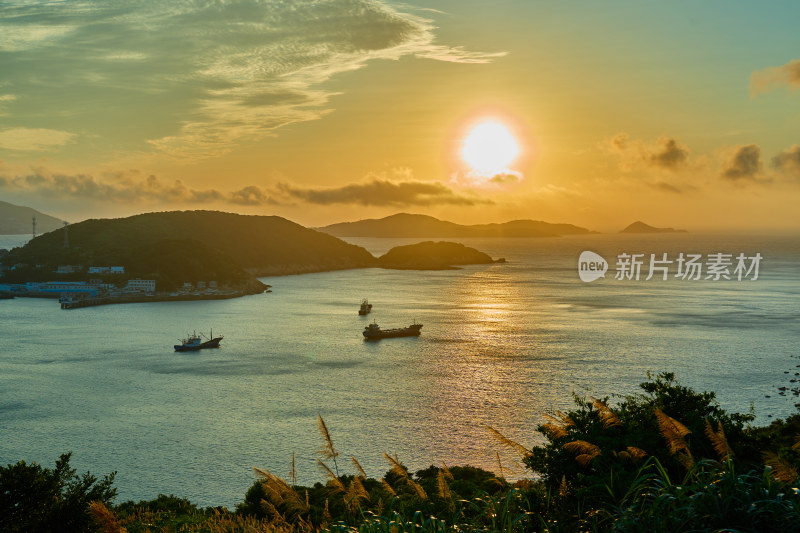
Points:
[432,256]
[184,255]
[641,227]
[410,225]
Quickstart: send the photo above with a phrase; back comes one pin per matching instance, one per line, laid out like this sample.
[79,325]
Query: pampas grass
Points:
[509,443]
[328,451]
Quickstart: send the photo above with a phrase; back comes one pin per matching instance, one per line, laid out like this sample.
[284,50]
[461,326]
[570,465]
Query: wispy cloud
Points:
[29,139]
[666,153]
[765,80]
[222,72]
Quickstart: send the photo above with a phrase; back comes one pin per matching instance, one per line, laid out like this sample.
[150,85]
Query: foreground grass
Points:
[668,459]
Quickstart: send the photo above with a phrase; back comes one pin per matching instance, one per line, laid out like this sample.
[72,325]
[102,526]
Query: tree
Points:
[33,498]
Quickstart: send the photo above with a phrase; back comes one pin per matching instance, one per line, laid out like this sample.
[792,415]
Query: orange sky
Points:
[333,110]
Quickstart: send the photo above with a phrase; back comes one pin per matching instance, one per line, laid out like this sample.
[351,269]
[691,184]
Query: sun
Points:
[489,148]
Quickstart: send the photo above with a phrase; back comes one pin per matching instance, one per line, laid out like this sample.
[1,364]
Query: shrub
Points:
[33,498]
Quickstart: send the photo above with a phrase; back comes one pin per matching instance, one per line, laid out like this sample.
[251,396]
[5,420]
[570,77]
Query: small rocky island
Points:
[431,255]
[641,227]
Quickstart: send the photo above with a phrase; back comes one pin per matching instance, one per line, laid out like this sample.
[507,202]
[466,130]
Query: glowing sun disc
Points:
[489,148]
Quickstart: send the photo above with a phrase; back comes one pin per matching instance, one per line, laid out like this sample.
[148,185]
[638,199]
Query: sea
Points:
[501,345]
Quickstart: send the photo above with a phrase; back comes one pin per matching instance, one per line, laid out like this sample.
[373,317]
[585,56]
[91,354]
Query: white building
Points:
[141,285]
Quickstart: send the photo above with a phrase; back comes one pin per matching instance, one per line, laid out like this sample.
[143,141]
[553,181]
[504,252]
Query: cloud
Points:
[788,161]
[27,139]
[382,192]
[114,187]
[669,154]
[762,81]
[666,153]
[133,187]
[743,164]
[487,181]
[213,74]
[252,195]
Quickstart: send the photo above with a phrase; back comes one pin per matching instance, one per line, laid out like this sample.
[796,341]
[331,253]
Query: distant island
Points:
[18,220]
[409,225]
[641,227]
[194,254]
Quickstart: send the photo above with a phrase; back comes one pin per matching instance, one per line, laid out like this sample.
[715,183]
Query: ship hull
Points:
[411,331]
[213,343]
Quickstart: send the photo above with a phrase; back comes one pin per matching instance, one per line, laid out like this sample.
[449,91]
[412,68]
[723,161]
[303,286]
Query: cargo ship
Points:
[374,331]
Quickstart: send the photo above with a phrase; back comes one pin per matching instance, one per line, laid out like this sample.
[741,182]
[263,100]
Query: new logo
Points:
[591,266]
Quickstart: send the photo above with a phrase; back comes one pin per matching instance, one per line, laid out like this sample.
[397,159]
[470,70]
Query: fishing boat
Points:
[365,308]
[196,342]
[374,331]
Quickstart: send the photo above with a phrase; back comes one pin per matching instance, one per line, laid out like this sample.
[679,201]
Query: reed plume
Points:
[718,441]
[564,418]
[446,472]
[333,479]
[388,488]
[636,453]
[558,424]
[359,468]
[443,490]
[105,518]
[328,451]
[674,433]
[607,416]
[442,487]
[556,431]
[584,451]
[500,465]
[505,441]
[280,494]
[398,469]
[780,469]
[355,494]
[293,472]
[326,514]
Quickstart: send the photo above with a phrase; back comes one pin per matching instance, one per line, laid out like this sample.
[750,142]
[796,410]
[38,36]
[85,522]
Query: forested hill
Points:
[409,225]
[172,242]
[18,220]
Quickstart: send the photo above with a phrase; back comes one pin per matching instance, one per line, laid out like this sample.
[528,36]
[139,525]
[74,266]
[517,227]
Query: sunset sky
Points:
[681,114]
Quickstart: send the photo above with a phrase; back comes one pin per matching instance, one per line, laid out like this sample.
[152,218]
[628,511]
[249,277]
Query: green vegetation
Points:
[667,459]
[33,498]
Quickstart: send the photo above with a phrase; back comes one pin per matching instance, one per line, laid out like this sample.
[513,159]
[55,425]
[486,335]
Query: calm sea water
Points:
[501,344]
